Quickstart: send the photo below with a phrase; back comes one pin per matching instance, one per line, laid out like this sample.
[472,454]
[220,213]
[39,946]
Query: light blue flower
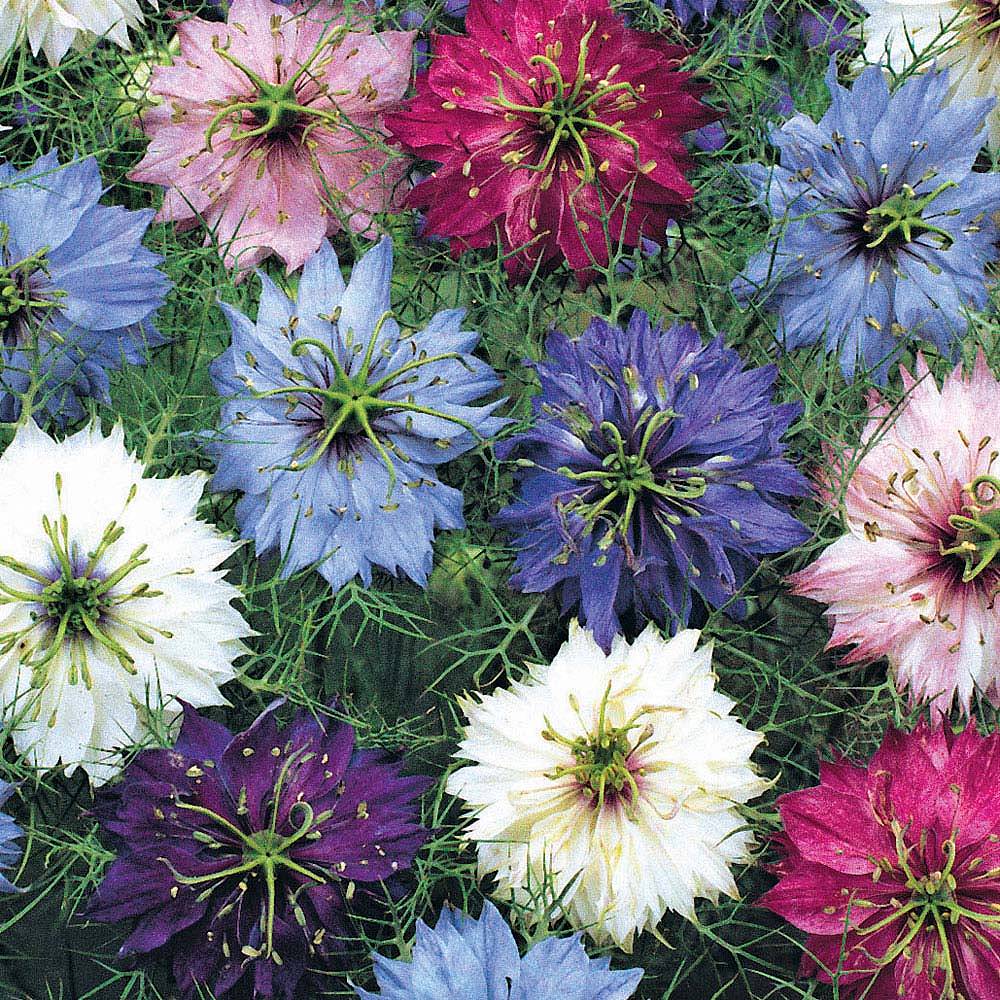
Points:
[77,288]
[882,230]
[10,852]
[467,959]
[335,419]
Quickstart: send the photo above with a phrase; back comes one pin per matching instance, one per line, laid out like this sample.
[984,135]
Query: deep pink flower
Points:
[556,128]
[270,129]
[915,578]
[893,869]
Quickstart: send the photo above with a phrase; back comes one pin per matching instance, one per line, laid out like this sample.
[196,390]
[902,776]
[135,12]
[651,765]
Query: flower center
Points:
[260,859]
[900,220]
[627,476]
[275,110]
[564,119]
[983,23]
[933,907]
[353,403]
[77,609]
[604,766]
[977,538]
[17,297]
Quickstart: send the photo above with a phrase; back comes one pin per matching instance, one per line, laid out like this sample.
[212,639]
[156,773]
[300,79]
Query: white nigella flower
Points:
[111,603]
[967,33]
[613,779]
[56,25]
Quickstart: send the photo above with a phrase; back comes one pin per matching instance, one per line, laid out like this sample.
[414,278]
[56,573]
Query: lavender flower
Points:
[77,288]
[478,960]
[654,473]
[687,10]
[826,28]
[881,230]
[241,855]
[10,851]
[335,419]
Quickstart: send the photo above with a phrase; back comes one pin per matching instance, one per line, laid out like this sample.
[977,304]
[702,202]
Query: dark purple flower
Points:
[711,138]
[827,29]
[240,856]
[654,473]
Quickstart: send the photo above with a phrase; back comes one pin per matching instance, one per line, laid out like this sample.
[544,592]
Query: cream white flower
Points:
[613,779]
[964,34]
[111,603]
[55,25]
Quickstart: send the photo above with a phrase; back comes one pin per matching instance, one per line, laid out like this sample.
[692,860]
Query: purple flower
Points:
[881,229]
[711,138]
[687,10]
[240,856]
[654,474]
[827,29]
[10,832]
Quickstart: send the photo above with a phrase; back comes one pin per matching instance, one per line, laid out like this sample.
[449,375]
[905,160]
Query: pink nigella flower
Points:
[893,869]
[556,128]
[270,128]
[915,578]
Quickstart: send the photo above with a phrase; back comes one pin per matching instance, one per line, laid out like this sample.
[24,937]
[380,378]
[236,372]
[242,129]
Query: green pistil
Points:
[900,218]
[567,117]
[353,401]
[932,908]
[15,292]
[625,475]
[601,758]
[263,853]
[977,539]
[275,109]
[76,608]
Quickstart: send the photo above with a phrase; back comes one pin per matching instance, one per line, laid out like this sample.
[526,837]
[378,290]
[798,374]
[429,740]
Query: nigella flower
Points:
[916,576]
[892,867]
[243,856]
[826,28]
[562,138]
[335,419]
[269,130]
[654,473]
[478,960]
[77,288]
[10,832]
[964,35]
[113,604]
[688,10]
[611,782]
[882,230]
[54,28]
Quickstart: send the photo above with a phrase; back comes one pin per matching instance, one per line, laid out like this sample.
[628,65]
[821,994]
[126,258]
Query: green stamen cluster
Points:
[603,766]
[899,219]
[275,110]
[625,475]
[352,401]
[15,292]
[258,855]
[977,539]
[75,609]
[934,906]
[570,113]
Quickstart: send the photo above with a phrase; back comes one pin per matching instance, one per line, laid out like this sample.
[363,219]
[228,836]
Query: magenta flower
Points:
[916,576]
[893,869]
[557,129]
[270,129]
